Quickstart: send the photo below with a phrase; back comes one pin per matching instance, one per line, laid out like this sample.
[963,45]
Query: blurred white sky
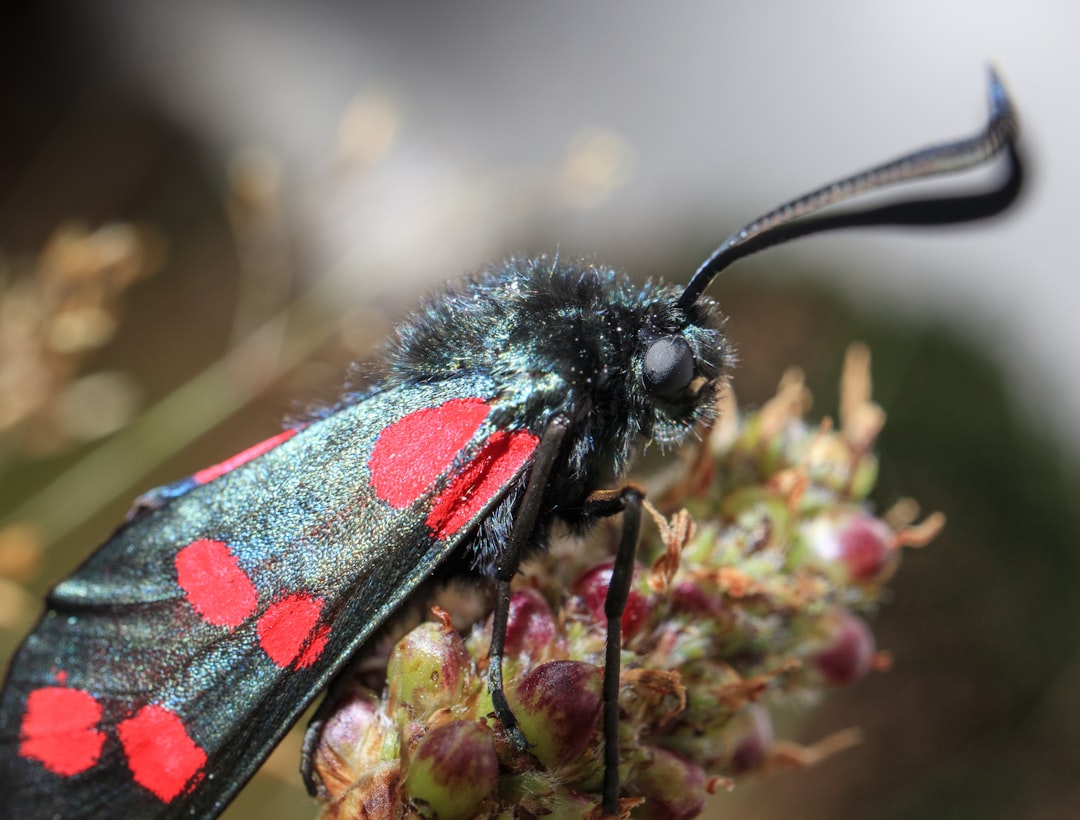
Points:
[712,112]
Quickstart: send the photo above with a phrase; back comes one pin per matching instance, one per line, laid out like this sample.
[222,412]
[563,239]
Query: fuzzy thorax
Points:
[569,340]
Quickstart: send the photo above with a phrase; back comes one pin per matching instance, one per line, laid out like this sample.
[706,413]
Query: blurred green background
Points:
[206,214]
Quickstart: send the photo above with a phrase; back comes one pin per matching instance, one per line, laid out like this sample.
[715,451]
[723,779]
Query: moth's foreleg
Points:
[628,501]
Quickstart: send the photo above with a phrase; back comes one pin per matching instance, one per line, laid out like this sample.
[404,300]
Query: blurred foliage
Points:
[51,317]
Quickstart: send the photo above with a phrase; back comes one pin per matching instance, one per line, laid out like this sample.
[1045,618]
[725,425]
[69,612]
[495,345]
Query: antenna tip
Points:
[1000,104]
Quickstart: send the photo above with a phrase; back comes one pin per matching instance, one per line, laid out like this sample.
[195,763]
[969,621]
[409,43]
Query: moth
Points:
[169,665]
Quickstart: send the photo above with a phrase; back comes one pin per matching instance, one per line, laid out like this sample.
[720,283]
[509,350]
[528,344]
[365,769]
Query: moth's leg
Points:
[331,702]
[601,505]
[312,735]
[507,565]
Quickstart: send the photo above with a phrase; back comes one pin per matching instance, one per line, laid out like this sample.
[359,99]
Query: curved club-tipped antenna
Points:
[789,221]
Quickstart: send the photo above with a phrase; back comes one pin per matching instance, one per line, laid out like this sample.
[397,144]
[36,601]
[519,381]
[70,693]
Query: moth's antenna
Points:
[788,220]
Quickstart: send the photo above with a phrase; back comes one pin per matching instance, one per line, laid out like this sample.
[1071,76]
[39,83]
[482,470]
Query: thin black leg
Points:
[506,567]
[627,501]
[307,752]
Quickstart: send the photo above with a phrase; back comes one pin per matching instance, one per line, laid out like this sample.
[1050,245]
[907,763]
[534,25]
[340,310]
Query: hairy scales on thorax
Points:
[567,339]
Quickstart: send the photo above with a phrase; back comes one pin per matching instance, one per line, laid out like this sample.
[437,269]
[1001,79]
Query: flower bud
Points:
[691,598]
[530,625]
[557,705]
[849,653]
[757,738]
[593,585]
[673,786]
[854,540]
[429,669]
[344,749]
[453,769]
[752,507]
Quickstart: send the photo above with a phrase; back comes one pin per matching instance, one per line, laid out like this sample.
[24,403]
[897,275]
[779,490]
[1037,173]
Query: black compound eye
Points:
[669,367]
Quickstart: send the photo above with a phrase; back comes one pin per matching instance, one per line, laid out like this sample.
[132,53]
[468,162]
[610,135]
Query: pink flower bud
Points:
[849,653]
[857,541]
[757,738]
[530,627]
[593,585]
[689,597]
[350,742]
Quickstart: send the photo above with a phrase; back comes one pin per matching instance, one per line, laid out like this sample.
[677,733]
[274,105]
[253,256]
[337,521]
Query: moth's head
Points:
[680,361]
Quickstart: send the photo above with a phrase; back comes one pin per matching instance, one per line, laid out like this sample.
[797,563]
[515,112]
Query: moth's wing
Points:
[172,662]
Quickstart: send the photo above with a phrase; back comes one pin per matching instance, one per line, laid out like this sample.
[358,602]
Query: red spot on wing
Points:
[229,464]
[474,487]
[59,729]
[215,585]
[161,755]
[287,630]
[418,448]
[315,647]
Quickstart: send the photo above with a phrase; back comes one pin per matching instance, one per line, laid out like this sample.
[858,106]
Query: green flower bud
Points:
[429,669]
[557,705]
[454,769]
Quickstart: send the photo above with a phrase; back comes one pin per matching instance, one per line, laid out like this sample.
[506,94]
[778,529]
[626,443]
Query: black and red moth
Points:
[170,664]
